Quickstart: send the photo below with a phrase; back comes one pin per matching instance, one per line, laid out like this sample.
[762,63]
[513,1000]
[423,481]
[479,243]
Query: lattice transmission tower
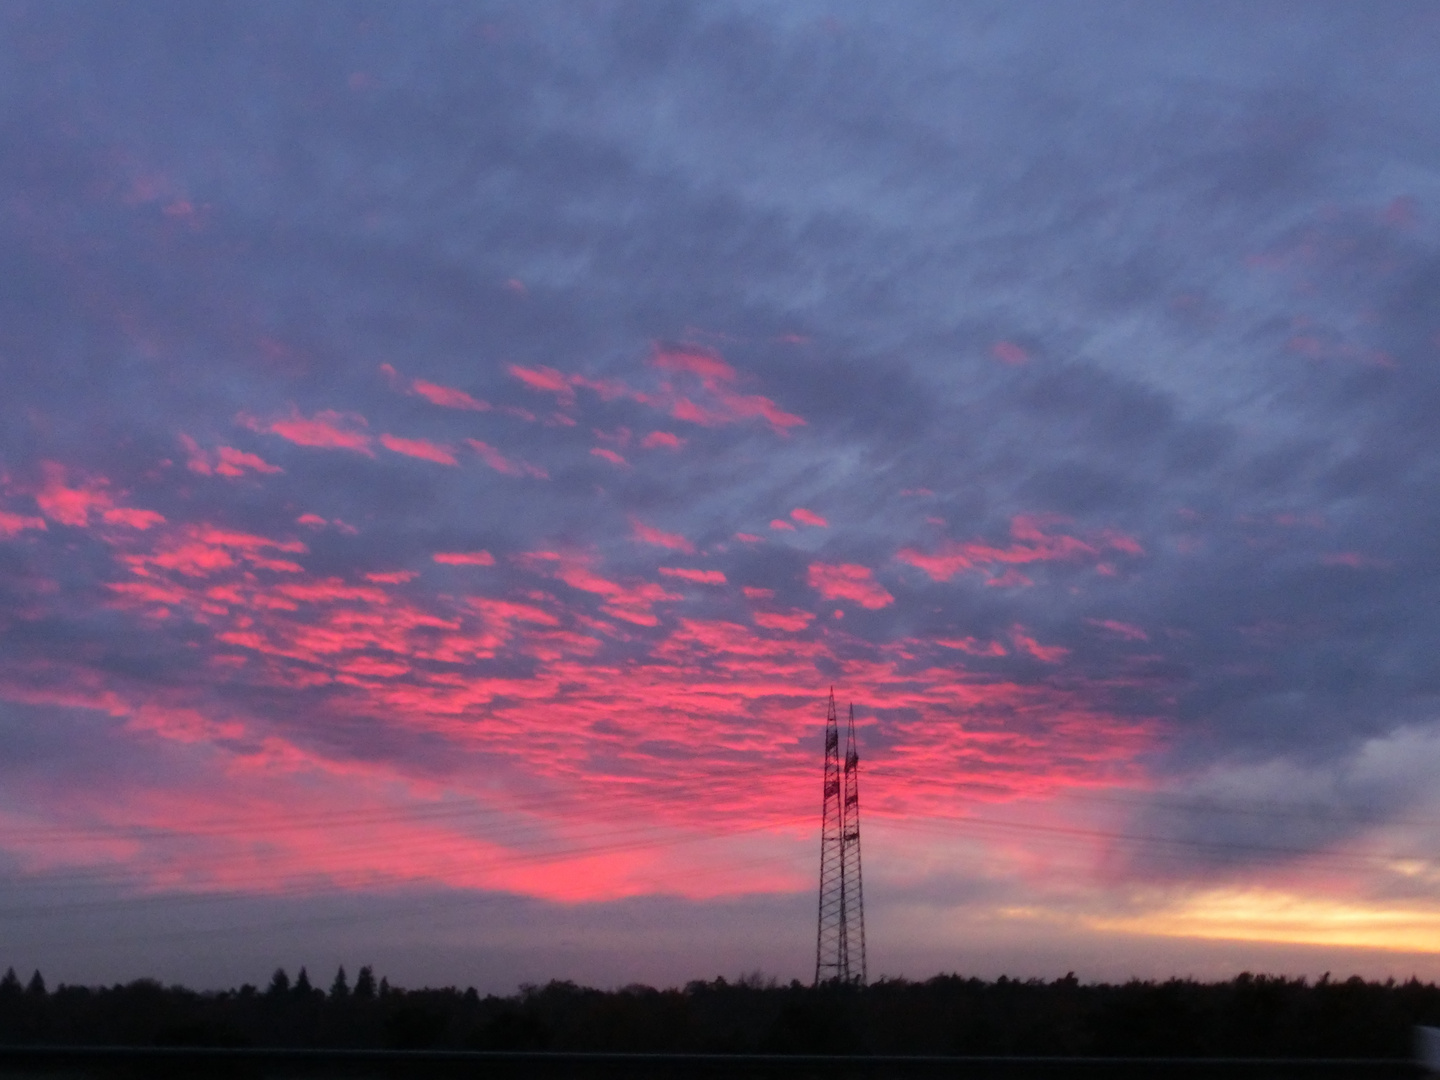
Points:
[840,933]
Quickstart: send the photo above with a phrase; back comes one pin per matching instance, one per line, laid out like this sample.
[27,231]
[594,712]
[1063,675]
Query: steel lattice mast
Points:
[854,891]
[841,922]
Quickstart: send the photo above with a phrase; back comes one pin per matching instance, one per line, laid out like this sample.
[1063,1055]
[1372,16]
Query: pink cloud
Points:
[447,396]
[700,577]
[809,517]
[1032,543]
[632,603]
[620,437]
[326,430]
[756,593]
[748,538]
[506,611]
[227,460]
[782,524]
[464,558]
[515,677]
[391,577]
[233,462]
[973,646]
[791,622]
[650,535]
[14,524]
[848,581]
[705,374]
[1007,352]
[610,456]
[73,504]
[1355,560]
[662,438]
[418,448]
[707,366]
[314,521]
[69,505]
[1014,579]
[715,377]
[545,379]
[501,464]
[1049,654]
[203,550]
[1121,629]
[135,519]
[196,460]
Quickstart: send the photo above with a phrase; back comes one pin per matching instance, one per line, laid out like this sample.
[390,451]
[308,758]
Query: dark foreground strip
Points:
[251,1061]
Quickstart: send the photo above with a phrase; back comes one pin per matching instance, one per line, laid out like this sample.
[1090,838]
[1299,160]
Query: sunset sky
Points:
[449,451]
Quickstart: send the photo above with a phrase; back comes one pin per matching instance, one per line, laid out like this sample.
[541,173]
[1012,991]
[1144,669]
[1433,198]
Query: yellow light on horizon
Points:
[1285,918]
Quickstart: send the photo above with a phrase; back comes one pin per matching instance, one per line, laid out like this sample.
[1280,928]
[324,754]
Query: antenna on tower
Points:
[841,923]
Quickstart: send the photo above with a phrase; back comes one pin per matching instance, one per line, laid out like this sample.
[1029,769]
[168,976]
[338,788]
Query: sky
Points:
[448,452]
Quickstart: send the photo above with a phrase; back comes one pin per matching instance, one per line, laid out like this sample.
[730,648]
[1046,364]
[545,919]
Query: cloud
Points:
[447,396]
[788,621]
[502,464]
[848,581]
[1049,654]
[1007,352]
[632,603]
[697,386]
[423,449]
[464,558]
[225,461]
[326,430]
[808,517]
[610,456]
[1121,629]
[77,503]
[1033,544]
[699,577]
[648,534]
[1354,560]
[13,524]
[720,403]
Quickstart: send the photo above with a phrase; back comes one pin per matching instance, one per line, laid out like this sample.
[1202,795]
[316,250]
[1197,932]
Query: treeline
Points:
[1251,1015]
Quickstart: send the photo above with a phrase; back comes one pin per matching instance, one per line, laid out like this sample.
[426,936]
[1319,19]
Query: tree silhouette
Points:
[1249,1016]
[365,984]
